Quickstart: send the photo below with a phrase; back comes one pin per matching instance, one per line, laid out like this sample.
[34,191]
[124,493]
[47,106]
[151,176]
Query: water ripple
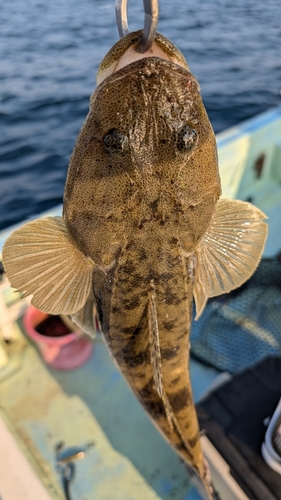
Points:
[50,52]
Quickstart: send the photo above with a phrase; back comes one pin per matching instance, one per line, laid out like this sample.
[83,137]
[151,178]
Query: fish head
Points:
[147,151]
[142,184]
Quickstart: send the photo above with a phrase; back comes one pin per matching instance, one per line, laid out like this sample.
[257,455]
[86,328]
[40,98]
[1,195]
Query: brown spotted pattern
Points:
[138,199]
[142,230]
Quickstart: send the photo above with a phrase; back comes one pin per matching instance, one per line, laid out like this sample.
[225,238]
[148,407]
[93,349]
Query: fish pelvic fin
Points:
[41,259]
[85,317]
[230,250]
[157,366]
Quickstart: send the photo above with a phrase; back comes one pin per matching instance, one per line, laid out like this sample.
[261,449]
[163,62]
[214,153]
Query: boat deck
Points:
[42,406]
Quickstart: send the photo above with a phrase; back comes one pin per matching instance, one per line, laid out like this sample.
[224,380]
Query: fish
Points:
[144,230]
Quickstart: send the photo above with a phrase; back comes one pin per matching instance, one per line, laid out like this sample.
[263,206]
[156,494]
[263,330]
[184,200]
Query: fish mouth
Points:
[148,66]
[124,52]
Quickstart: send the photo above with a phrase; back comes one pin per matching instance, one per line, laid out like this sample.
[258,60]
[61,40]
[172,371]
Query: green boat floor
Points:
[130,460]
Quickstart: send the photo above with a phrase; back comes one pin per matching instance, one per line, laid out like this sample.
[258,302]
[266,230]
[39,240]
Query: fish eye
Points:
[115,142]
[186,138]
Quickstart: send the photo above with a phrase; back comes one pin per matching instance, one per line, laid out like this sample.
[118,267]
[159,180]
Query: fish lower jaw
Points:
[131,55]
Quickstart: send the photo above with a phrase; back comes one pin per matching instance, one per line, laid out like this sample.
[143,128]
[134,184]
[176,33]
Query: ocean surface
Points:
[49,54]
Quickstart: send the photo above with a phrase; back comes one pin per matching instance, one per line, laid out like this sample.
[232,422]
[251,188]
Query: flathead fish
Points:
[143,231]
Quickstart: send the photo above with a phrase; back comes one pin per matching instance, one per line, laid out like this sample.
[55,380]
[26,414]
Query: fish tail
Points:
[182,430]
[157,371]
[147,330]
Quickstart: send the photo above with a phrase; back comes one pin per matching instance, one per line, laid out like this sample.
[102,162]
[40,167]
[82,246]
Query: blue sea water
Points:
[49,54]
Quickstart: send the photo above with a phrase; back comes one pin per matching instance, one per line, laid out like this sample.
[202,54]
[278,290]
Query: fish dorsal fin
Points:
[42,260]
[230,250]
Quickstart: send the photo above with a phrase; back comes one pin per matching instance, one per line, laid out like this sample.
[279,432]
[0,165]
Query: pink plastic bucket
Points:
[63,352]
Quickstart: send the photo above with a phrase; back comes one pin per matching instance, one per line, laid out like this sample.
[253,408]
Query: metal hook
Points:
[151,14]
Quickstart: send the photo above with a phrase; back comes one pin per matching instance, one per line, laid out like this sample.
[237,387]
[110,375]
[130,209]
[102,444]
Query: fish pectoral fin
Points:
[85,317]
[42,260]
[230,250]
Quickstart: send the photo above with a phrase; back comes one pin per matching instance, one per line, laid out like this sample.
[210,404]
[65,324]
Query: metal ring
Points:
[151,14]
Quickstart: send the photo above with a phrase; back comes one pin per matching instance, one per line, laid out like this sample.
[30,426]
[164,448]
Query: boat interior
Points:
[77,431]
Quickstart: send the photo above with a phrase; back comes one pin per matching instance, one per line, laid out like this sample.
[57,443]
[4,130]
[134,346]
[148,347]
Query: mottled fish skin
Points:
[142,230]
[110,197]
[139,213]
[123,298]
